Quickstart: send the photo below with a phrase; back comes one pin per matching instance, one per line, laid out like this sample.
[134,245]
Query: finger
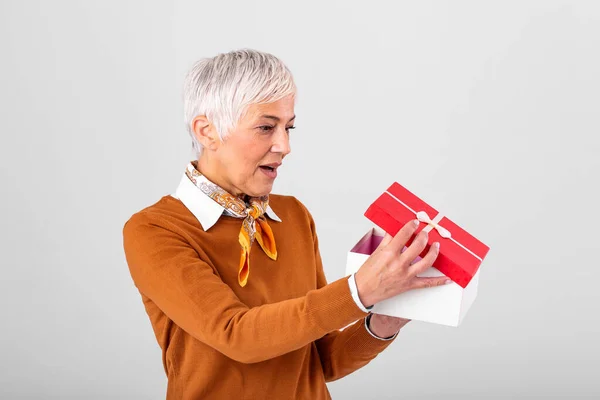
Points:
[426,261]
[422,283]
[386,240]
[404,235]
[416,247]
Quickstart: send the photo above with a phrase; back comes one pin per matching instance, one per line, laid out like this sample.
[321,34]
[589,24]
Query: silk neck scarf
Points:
[252,211]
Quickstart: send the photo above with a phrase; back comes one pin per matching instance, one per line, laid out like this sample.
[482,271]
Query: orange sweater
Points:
[278,337]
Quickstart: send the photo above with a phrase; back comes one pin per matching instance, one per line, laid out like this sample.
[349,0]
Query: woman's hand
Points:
[388,271]
[386,326]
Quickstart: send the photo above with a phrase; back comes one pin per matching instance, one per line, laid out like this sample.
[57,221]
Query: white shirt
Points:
[207,212]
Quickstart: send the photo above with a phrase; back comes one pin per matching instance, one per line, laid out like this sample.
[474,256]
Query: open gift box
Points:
[459,259]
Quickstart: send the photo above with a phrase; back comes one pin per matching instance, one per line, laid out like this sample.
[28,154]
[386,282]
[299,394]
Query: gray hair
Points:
[222,88]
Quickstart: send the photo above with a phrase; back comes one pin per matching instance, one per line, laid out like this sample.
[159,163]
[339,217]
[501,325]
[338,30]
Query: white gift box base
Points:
[445,305]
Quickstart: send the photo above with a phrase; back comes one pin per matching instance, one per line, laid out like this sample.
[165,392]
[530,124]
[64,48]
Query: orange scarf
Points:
[252,211]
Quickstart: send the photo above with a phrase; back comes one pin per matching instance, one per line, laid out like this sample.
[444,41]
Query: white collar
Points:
[205,209]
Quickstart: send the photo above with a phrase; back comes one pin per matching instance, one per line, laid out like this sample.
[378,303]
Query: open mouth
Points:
[270,170]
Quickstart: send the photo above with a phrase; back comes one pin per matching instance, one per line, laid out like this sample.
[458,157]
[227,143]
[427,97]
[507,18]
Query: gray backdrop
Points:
[488,110]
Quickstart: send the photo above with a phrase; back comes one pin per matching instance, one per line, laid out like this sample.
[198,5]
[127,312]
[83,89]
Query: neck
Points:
[210,172]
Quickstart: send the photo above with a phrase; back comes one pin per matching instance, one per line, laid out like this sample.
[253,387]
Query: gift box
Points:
[460,257]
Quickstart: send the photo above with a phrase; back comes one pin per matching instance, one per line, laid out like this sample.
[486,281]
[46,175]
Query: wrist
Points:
[384,326]
[378,330]
[354,293]
[364,292]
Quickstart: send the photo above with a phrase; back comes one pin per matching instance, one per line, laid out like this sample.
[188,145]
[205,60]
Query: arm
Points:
[166,269]
[343,352]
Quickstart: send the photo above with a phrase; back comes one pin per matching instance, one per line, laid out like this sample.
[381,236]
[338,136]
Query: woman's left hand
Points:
[386,326]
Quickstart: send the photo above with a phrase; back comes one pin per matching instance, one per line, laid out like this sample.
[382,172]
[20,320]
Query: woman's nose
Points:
[282,143]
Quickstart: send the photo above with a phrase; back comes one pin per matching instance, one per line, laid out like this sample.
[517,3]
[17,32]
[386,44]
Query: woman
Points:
[231,275]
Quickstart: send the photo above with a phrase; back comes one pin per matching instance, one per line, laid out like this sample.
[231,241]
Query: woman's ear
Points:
[205,133]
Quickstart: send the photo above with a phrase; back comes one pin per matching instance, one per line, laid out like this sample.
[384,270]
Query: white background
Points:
[487,110]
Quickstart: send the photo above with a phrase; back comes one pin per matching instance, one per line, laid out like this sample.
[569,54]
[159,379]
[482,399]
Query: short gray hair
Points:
[222,88]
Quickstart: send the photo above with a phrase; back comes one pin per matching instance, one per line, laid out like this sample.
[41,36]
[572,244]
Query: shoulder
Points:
[168,212]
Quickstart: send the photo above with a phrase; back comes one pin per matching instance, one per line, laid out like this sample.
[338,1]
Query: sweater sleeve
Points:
[166,269]
[344,351]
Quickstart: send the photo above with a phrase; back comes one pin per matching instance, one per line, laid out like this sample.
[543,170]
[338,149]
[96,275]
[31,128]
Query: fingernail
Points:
[447,281]
[436,245]
[416,222]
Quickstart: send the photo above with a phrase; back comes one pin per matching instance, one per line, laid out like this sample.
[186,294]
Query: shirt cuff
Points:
[367,322]
[354,291]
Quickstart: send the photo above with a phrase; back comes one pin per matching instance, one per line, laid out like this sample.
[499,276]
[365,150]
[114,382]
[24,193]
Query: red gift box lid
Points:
[460,254]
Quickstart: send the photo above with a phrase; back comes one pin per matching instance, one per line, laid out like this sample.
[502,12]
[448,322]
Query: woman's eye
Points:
[269,128]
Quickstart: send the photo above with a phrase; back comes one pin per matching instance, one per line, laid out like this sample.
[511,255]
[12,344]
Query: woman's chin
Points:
[261,190]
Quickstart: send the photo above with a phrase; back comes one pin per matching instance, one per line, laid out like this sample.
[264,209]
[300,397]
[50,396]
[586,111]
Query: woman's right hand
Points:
[388,271]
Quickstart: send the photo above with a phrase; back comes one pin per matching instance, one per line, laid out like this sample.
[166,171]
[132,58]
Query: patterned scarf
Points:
[252,211]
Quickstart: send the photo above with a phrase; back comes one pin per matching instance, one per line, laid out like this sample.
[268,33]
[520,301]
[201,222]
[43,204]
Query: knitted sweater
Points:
[281,336]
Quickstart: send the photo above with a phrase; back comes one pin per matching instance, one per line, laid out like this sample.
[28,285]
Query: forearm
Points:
[264,332]
[343,352]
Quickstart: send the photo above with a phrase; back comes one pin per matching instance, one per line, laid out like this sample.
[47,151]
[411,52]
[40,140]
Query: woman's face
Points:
[247,160]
